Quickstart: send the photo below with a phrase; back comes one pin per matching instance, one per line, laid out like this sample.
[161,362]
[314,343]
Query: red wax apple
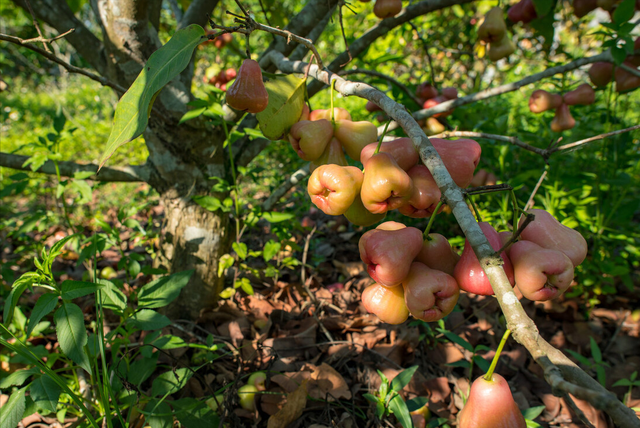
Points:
[542,101]
[332,154]
[338,114]
[468,272]
[426,91]
[563,120]
[430,294]
[460,157]
[402,150]
[371,107]
[582,95]
[549,233]
[524,11]
[248,93]
[386,302]
[434,102]
[386,186]
[354,136]
[541,274]
[388,253]
[437,254]
[493,28]
[309,139]
[601,73]
[490,405]
[425,196]
[450,93]
[333,188]
[360,216]
[626,81]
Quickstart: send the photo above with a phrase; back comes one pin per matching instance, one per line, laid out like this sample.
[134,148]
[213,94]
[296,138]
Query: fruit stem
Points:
[333,88]
[381,138]
[475,209]
[431,220]
[494,363]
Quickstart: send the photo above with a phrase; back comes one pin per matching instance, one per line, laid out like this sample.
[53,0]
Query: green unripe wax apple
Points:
[257,379]
[493,28]
[501,49]
[360,216]
[333,154]
[490,405]
[247,394]
[354,136]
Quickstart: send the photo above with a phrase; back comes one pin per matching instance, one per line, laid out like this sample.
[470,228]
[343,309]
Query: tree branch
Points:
[595,138]
[389,79]
[281,190]
[513,140]
[131,173]
[524,329]
[631,70]
[197,13]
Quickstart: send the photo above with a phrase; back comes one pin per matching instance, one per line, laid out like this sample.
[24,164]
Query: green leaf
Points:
[225,262]
[417,403]
[286,98]
[582,360]
[146,319]
[74,289]
[45,393]
[45,304]
[170,382]
[13,409]
[72,335]
[140,370]
[624,12]
[21,284]
[208,202]
[192,114]
[162,416]
[482,363]
[460,341]
[543,7]
[84,189]
[132,112]
[192,413]
[370,397]
[111,296]
[271,248]
[18,377]
[619,54]
[241,249]
[83,175]
[533,412]
[276,217]
[544,27]
[398,407]
[162,291]
[595,351]
[403,378]
[459,363]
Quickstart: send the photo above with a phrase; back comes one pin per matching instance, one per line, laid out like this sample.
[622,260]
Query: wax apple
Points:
[247,93]
[402,150]
[360,216]
[425,196]
[388,253]
[338,114]
[541,100]
[468,272]
[386,302]
[387,8]
[305,112]
[540,274]
[626,81]
[450,93]
[433,126]
[386,186]
[549,233]
[333,188]
[429,294]
[460,157]
[493,27]
[426,91]
[310,139]
[490,405]
[332,154]
[354,136]
[436,253]
[501,49]
[582,7]
[582,95]
[434,102]
[524,11]
[563,120]
[391,225]
[371,107]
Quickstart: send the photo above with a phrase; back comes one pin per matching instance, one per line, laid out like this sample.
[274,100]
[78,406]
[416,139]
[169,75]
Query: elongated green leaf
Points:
[286,98]
[146,319]
[195,414]
[72,289]
[398,407]
[45,392]
[112,298]
[18,377]
[417,403]
[162,416]
[45,304]
[624,12]
[459,340]
[13,409]
[140,370]
[132,113]
[72,335]
[21,284]
[170,382]
[403,378]
[162,291]
[533,412]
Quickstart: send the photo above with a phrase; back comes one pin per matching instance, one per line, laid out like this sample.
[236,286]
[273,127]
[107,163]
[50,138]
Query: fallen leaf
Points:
[329,384]
[292,410]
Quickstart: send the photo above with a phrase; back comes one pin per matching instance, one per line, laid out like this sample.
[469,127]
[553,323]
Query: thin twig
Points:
[597,137]
[631,70]
[529,203]
[390,79]
[35,24]
[528,219]
[479,190]
[513,140]
[425,47]
[303,273]
[344,36]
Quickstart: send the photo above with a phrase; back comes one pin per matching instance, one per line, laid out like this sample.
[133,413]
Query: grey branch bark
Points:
[279,192]
[131,173]
[523,328]
[197,13]
[58,14]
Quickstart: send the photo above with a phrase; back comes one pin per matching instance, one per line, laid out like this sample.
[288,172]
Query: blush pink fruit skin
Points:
[386,186]
[468,272]
[333,154]
[437,254]
[479,178]
[541,274]
[248,93]
[339,113]
[402,150]
[386,302]
[333,188]
[305,112]
[460,157]
[541,100]
[429,294]
[490,405]
[425,196]
[388,253]
[549,233]
[309,139]
[371,107]
[582,95]
[354,136]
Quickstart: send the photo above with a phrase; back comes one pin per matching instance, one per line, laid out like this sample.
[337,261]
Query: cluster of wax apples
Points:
[220,79]
[424,278]
[601,73]
[430,97]
[247,92]
[541,100]
[493,31]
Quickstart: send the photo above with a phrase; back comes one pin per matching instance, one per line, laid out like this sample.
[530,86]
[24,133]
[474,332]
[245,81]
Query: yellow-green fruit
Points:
[108,273]
[247,394]
[258,379]
[215,403]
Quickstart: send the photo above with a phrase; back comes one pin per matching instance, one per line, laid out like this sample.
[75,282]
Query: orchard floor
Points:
[327,342]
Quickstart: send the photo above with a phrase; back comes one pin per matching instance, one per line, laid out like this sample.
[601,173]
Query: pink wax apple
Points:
[430,294]
[437,254]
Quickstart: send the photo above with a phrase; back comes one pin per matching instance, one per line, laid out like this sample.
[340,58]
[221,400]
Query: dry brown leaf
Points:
[439,392]
[329,384]
[292,409]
